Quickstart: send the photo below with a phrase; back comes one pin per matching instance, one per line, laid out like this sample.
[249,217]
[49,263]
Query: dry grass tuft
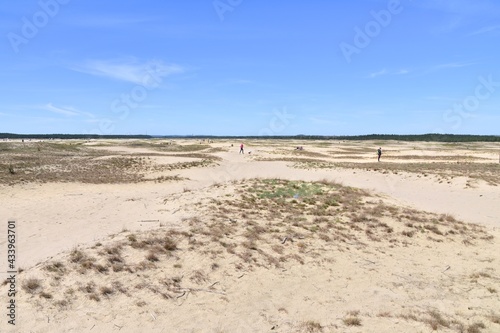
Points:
[55,267]
[352,321]
[494,318]
[265,223]
[311,327]
[436,320]
[46,295]
[476,327]
[32,285]
[101,268]
[77,256]
[106,291]
[199,277]
[152,256]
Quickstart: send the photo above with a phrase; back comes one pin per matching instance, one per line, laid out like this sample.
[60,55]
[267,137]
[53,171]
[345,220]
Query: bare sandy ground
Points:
[414,284]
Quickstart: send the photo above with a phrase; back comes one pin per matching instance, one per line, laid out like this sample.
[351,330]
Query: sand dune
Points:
[191,237]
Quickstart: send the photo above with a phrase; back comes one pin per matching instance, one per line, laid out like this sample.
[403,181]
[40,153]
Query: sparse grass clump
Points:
[62,304]
[68,162]
[152,256]
[491,290]
[46,295]
[77,256]
[264,224]
[487,172]
[106,291]
[199,277]
[476,327]
[169,244]
[312,327]
[436,320]
[352,321]
[88,288]
[494,318]
[32,285]
[101,268]
[55,267]
[434,229]
[118,267]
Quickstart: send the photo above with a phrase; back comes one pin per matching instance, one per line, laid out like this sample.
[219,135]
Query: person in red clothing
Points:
[241,149]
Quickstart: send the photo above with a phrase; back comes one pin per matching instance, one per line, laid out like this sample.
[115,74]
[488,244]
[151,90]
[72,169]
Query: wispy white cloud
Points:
[387,72]
[484,30]
[321,120]
[454,65]
[130,70]
[450,65]
[379,73]
[58,110]
[420,71]
[66,111]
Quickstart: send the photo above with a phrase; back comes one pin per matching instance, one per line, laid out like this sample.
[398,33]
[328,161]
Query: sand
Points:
[382,283]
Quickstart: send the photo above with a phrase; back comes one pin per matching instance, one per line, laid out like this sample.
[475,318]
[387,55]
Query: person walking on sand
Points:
[379,153]
[241,149]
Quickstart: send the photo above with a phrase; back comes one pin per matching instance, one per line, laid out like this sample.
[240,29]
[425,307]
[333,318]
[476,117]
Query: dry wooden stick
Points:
[204,290]
[213,284]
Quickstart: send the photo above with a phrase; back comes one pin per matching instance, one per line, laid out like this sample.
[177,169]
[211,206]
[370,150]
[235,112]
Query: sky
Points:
[241,67]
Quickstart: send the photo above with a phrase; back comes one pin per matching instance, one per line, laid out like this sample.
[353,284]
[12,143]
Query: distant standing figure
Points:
[379,153]
[241,149]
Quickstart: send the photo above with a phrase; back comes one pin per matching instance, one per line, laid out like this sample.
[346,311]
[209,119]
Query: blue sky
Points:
[241,67]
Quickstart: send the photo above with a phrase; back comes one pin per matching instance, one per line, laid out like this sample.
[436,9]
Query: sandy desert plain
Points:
[190,236]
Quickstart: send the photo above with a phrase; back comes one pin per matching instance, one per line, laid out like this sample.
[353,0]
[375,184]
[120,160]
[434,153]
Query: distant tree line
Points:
[70,136]
[422,137]
[395,137]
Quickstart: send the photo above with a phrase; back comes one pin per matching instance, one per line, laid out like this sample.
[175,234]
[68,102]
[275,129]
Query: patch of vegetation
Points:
[488,172]
[312,327]
[352,321]
[31,285]
[268,223]
[67,162]
[284,189]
